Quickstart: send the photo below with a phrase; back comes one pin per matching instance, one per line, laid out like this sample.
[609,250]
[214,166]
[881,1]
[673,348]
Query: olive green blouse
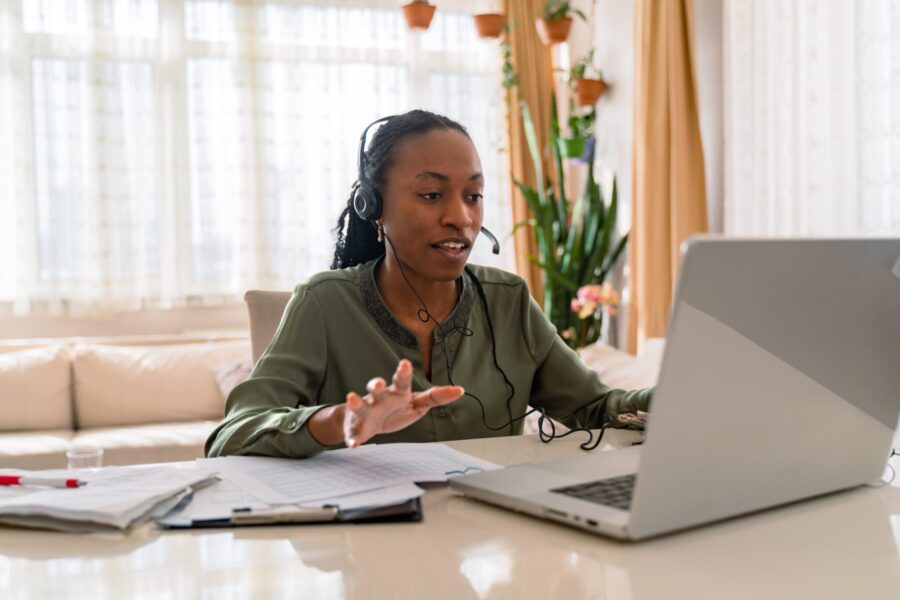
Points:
[337,333]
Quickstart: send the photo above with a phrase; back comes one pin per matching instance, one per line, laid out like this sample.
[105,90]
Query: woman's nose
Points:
[458,213]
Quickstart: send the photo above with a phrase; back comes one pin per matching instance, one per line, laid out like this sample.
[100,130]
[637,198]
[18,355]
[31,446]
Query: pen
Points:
[290,513]
[57,482]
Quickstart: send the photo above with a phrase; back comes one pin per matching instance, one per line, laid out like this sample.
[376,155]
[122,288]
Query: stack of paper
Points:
[338,485]
[348,471]
[113,498]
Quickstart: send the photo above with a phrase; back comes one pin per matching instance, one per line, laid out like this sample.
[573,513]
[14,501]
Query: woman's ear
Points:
[380,228]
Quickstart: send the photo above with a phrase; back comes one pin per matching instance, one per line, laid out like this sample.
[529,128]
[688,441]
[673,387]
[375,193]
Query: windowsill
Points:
[199,322]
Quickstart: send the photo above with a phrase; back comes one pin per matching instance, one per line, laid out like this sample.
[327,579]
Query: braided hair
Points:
[357,240]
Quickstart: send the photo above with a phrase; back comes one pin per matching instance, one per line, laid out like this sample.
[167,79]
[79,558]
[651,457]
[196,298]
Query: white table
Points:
[841,546]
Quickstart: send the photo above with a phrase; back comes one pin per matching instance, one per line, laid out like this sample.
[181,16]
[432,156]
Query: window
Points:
[812,118]
[178,152]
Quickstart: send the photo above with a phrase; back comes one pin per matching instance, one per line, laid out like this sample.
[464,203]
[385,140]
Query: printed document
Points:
[113,498]
[337,473]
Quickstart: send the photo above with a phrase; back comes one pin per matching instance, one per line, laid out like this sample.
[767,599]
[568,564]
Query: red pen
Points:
[57,482]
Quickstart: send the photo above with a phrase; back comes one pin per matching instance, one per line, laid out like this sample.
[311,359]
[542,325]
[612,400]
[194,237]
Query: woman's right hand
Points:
[389,408]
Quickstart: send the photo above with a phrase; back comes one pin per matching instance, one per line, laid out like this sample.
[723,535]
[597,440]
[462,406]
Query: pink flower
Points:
[590,293]
[591,297]
[587,309]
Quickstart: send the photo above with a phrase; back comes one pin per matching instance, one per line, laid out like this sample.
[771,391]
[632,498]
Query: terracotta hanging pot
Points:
[588,91]
[418,14]
[553,32]
[489,25]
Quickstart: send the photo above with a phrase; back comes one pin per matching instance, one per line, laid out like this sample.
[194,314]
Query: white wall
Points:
[708,63]
[612,38]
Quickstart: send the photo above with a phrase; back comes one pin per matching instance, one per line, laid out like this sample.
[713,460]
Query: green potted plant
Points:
[418,14]
[581,131]
[554,25]
[586,80]
[489,25]
[577,241]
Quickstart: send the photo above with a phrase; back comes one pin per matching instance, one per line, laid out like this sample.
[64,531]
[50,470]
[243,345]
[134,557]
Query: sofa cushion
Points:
[35,449]
[134,385]
[157,442]
[34,390]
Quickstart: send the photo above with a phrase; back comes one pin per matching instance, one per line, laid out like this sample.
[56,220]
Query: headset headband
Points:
[361,158]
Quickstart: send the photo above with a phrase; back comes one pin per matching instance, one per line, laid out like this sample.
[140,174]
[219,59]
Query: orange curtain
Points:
[533,63]
[669,193]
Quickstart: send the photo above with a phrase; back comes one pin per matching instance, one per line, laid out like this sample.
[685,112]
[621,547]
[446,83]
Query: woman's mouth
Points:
[453,250]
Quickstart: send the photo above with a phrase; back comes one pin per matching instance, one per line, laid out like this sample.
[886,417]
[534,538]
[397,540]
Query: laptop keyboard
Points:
[615,491]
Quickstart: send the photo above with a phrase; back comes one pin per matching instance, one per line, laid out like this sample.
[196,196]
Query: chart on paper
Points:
[348,471]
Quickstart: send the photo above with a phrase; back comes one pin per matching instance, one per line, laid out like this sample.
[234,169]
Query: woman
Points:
[399,299]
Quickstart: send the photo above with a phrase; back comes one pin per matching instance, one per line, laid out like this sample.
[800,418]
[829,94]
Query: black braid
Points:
[357,240]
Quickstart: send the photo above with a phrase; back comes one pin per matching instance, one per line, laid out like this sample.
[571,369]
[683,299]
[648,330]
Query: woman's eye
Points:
[474,197]
[432,196]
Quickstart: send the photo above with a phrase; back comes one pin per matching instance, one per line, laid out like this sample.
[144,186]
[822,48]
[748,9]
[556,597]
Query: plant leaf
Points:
[533,149]
[614,255]
[521,224]
[554,274]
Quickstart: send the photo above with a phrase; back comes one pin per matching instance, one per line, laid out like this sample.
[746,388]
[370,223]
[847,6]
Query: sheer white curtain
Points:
[812,111]
[177,152]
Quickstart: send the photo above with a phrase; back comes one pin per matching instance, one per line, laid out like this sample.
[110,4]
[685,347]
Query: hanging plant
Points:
[418,14]
[554,26]
[510,77]
[489,25]
[586,81]
[578,144]
[588,91]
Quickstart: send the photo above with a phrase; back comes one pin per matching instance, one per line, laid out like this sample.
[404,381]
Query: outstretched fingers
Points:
[376,388]
[353,420]
[355,402]
[436,396]
[403,377]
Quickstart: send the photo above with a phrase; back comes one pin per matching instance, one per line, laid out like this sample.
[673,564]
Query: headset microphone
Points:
[495,248]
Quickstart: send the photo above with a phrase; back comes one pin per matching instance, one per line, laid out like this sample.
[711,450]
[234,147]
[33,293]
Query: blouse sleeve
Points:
[564,386]
[267,414]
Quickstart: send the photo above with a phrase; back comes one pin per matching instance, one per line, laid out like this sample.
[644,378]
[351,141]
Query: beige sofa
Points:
[140,400]
[157,399]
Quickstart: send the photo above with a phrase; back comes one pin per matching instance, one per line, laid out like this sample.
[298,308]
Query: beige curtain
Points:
[533,63]
[669,195]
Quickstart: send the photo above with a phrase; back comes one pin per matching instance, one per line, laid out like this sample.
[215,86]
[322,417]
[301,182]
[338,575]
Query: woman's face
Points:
[432,203]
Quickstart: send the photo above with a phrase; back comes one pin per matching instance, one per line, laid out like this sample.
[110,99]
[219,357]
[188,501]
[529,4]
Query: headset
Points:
[368,204]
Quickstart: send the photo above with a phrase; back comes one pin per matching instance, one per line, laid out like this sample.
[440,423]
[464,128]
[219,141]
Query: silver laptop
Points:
[780,381]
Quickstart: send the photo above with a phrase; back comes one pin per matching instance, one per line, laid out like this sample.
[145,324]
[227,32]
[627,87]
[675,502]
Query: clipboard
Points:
[409,511]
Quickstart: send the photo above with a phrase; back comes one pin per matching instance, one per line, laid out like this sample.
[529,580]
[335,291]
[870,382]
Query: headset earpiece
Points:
[366,200]
[367,203]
